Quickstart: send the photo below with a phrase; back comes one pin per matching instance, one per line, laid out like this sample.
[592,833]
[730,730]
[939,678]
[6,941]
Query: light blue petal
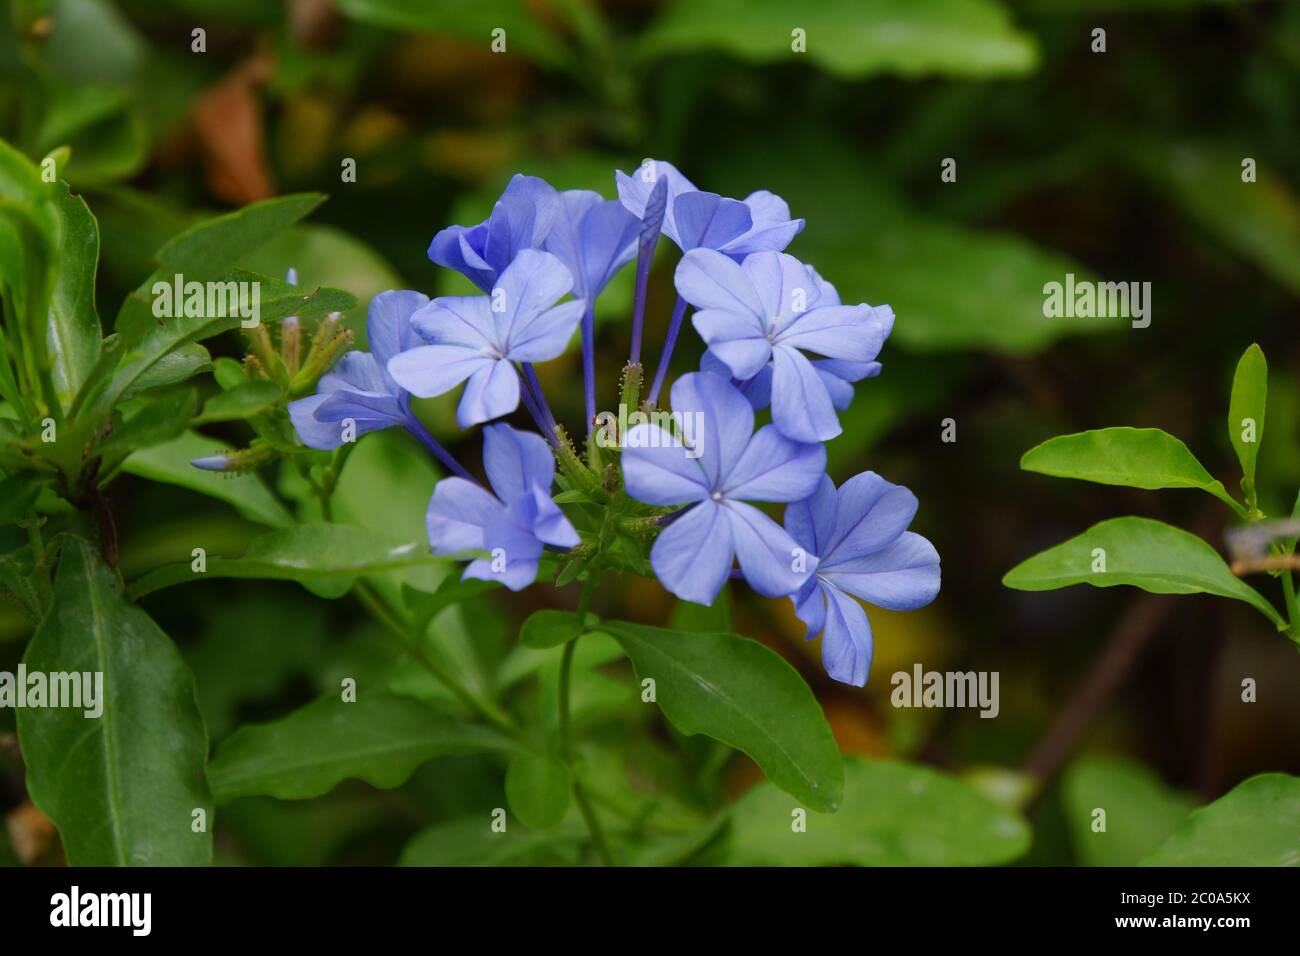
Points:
[785,288]
[634,191]
[709,280]
[768,555]
[458,512]
[708,221]
[548,335]
[810,607]
[656,469]
[464,320]
[434,369]
[775,468]
[389,328]
[692,557]
[871,514]
[492,391]
[720,421]
[835,331]
[846,642]
[735,339]
[811,521]
[900,577]
[323,436]
[801,406]
[515,461]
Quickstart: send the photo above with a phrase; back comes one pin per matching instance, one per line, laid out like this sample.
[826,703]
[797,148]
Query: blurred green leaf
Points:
[892,814]
[1257,823]
[853,39]
[212,247]
[1246,415]
[1145,554]
[170,463]
[549,628]
[306,553]
[121,787]
[155,421]
[744,694]
[1140,810]
[74,330]
[379,738]
[473,842]
[539,789]
[471,19]
[241,402]
[1133,457]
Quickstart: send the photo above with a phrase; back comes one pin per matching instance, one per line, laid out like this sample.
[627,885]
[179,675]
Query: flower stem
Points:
[566,728]
[384,612]
[670,342]
[589,361]
[414,426]
[651,222]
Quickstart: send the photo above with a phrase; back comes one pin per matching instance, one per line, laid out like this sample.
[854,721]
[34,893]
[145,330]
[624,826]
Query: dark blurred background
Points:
[1122,165]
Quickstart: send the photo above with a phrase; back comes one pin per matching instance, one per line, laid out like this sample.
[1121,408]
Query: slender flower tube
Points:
[651,224]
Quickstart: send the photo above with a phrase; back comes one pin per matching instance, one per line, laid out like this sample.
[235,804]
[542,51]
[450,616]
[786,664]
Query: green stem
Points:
[566,727]
[1292,615]
[381,609]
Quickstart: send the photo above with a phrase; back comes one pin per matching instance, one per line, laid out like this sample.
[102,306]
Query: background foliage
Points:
[1123,165]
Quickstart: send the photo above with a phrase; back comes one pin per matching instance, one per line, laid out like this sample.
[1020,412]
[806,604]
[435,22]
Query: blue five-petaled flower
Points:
[514,525]
[864,550]
[720,464]
[476,339]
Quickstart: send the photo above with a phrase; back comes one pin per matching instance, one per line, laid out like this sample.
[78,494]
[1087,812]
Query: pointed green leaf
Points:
[121,787]
[892,814]
[170,463]
[1246,415]
[212,247]
[378,738]
[1257,823]
[744,694]
[1140,552]
[1134,457]
[308,553]
[549,628]
[1141,811]
[75,336]
[539,789]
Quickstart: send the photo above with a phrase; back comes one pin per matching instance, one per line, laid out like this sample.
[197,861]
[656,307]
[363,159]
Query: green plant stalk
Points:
[380,608]
[566,727]
[1292,614]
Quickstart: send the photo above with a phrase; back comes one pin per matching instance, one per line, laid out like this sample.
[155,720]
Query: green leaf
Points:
[472,19]
[121,787]
[379,738]
[1140,552]
[241,402]
[212,247]
[853,39]
[154,422]
[170,463]
[308,553]
[425,606]
[539,789]
[1134,457]
[175,367]
[1140,810]
[75,335]
[1257,823]
[549,628]
[1246,415]
[892,814]
[744,694]
[17,496]
[472,841]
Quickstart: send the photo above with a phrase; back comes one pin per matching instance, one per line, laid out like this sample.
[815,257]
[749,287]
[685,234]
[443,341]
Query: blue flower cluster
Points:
[541,260]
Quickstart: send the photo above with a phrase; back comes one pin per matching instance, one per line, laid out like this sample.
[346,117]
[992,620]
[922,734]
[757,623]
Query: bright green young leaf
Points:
[1134,457]
[549,628]
[170,463]
[212,247]
[853,39]
[472,19]
[378,738]
[539,789]
[1140,552]
[307,553]
[122,787]
[892,814]
[739,692]
[1246,415]
[75,335]
[471,841]
[241,402]
[1140,810]
[1257,823]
